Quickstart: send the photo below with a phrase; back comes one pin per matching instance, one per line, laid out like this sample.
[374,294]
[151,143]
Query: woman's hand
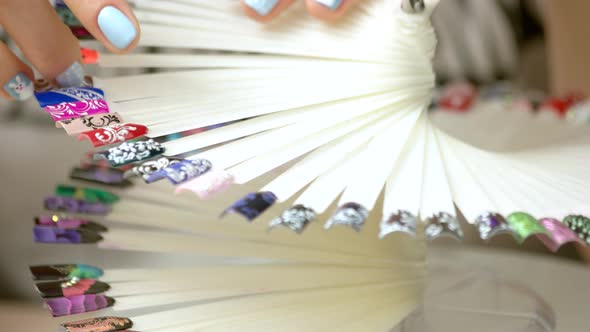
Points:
[328,10]
[49,44]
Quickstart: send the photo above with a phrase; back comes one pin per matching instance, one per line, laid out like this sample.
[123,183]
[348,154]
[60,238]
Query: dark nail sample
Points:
[90,195]
[295,218]
[73,287]
[72,205]
[68,95]
[44,234]
[580,225]
[252,205]
[400,221]
[65,272]
[65,306]
[442,224]
[65,222]
[353,215]
[491,224]
[99,324]
[99,174]
[131,152]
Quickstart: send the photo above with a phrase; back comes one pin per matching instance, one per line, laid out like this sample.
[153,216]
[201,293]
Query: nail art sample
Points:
[102,175]
[262,7]
[352,215]
[65,306]
[130,152]
[413,6]
[443,224]
[491,224]
[73,287]
[81,33]
[116,27]
[186,170]
[400,221]
[560,234]
[331,4]
[252,205]
[44,234]
[206,186]
[71,77]
[525,225]
[72,205]
[43,85]
[88,123]
[73,110]
[579,225]
[89,56]
[65,272]
[150,167]
[68,95]
[20,87]
[66,16]
[99,324]
[295,218]
[90,195]
[65,222]
[114,134]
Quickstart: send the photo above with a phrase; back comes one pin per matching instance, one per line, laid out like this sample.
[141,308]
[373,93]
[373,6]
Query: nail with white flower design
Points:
[20,87]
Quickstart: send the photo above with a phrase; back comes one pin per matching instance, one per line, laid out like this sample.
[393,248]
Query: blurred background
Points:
[481,41]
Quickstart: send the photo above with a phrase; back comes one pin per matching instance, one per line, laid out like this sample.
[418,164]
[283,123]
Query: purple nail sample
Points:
[44,234]
[72,205]
[252,205]
[65,306]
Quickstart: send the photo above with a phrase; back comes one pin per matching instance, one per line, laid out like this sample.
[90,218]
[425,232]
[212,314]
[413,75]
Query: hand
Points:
[49,44]
[327,10]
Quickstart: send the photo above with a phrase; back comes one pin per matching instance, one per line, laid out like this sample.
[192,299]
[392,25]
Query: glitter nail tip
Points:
[99,324]
[208,185]
[295,218]
[73,287]
[525,225]
[443,224]
[491,224]
[560,234]
[352,215]
[65,272]
[579,225]
[252,205]
[399,222]
[65,306]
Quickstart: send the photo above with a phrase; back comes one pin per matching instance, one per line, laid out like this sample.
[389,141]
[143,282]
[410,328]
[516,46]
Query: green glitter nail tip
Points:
[525,225]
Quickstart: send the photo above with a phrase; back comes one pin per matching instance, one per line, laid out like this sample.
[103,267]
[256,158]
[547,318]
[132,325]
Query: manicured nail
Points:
[20,87]
[99,324]
[72,77]
[353,215]
[441,224]
[331,4]
[295,218]
[262,7]
[399,222]
[65,272]
[74,287]
[74,305]
[116,27]
[252,205]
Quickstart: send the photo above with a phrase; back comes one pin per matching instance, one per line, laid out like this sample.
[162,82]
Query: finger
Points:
[110,21]
[16,77]
[329,10]
[44,40]
[265,10]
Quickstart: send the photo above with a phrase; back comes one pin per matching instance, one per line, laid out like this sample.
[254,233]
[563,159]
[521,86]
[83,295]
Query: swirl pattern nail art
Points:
[86,123]
[352,215]
[72,110]
[295,218]
[114,134]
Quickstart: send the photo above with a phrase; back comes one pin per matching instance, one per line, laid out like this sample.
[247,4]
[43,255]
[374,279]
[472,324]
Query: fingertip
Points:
[119,28]
[264,10]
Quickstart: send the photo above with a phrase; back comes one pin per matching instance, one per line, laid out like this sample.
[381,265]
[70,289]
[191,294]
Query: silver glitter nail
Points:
[72,77]
[353,215]
[400,221]
[443,224]
[295,218]
[491,224]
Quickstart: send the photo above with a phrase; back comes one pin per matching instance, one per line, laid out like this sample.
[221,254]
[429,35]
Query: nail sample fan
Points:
[319,136]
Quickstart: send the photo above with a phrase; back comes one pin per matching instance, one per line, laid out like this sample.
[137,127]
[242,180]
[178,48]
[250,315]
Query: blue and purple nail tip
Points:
[490,224]
[131,152]
[45,234]
[295,218]
[72,205]
[252,205]
[66,222]
[70,288]
[330,4]
[55,272]
[101,175]
[443,224]
[79,304]
[352,215]
[400,221]
[99,324]
[146,169]
[580,225]
[68,95]
[181,171]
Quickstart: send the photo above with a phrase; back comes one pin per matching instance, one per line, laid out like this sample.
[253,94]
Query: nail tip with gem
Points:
[399,222]
[491,224]
[525,225]
[443,224]
[350,214]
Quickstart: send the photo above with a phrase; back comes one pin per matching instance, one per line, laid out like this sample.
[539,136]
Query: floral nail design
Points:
[400,221]
[295,218]
[186,170]
[73,110]
[252,205]
[441,224]
[20,87]
[114,134]
[128,153]
[86,123]
[353,215]
[68,95]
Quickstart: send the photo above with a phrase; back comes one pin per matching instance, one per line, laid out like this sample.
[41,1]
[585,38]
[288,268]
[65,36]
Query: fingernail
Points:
[72,205]
[20,87]
[44,234]
[66,222]
[262,7]
[116,27]
[206,186]
[72,77]
[90,195]
[65,271]
[331,4]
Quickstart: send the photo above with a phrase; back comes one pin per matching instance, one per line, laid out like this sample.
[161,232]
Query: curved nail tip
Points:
[99,324]
[208,185]
[330,4]
[400,221]
[580,225]
[261,7]
[560,234]
[413,6]
[351,214]
[252,205]
[71,288]
[491,224]
[525,225]
[443,224]
[295,218]
[186,170]
[44,234]
[74,305]
[65,271]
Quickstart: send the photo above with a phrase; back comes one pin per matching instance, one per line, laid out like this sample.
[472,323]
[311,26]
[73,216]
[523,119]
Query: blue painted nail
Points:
[331,4]
[20,87]
[116,27]
[262,7]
